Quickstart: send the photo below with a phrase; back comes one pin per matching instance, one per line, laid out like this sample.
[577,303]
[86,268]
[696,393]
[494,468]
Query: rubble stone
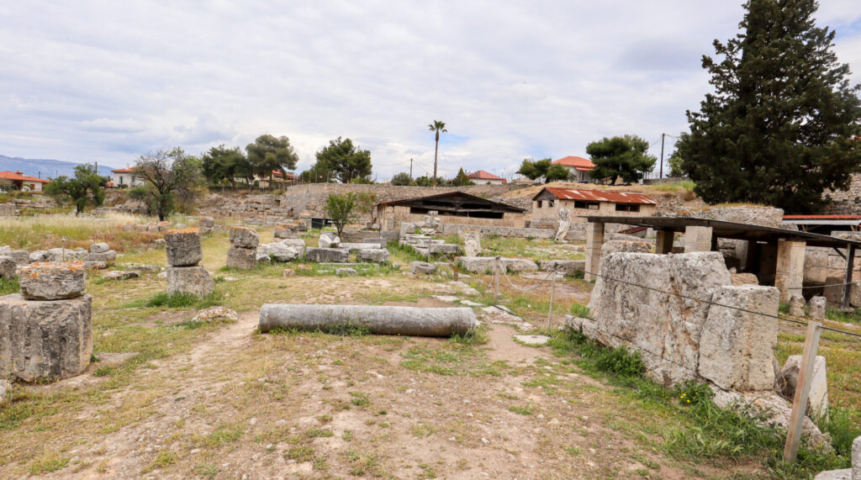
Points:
[613,246]
[737,347]
[796,306]
[328,240]
[5,390]
[241,258]
[99,247]
[244,237]
[816,307]
[263,258]
[121,275]
[45,340]
[346,272]
[327,255]
[21,257]
[7,267]
[189,280]
[378,255]
[108,258]
[216,314]
[422,268]
[183,247]
[787,382]
[53,281]
[565,267]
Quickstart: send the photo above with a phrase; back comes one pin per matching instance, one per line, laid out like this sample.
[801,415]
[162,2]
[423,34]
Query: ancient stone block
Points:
[53,281]
[565,267]
[244,237]
[45,340]
[216,314]
[121,275]
[99,248]
[328,240]
[355,247]
[108,258]
[5,390]
[189,280]
[378,255]
[472,242]
[183,247]
[281,252]
[346,272]
[21,257]
[241,258]
[379,242]
[787,382]
[796,306]
[816,308]
[422,268]
[263,258]
[207,222]
[698,239]
[327,255]
[613,246]
[736,347]
[744,279]
[7,267]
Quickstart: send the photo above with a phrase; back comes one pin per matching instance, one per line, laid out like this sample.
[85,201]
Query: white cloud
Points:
[108,82]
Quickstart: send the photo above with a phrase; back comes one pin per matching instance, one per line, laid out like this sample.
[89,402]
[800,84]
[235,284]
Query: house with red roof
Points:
[578,168]
[482,177]
[20,181]
[584,201]
[125,178]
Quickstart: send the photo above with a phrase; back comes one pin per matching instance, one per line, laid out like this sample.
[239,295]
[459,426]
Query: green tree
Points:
[86,187]
[344,160]
[778,128]
[436,126]
[402,178]
[172,180]
[426,181]
[556,172]
[366,203]
[675,162]
[221,163]
[462,179]
[622,157]
[341,209]
[534,169]
[269,153]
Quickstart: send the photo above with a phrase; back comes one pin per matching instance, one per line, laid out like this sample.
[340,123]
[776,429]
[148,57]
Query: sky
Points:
[105,81]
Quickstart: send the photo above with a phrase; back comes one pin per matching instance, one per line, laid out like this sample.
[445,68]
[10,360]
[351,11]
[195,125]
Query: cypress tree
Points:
[779,128]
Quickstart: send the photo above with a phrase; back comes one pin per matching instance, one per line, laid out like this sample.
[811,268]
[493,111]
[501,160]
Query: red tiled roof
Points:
[579,163]
[123,170]
[599,196]
[822,217]
[482,175]
[290,176]
[7,175]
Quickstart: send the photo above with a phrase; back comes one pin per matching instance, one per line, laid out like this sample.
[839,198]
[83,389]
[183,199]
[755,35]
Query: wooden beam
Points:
[802,392]
[847,279]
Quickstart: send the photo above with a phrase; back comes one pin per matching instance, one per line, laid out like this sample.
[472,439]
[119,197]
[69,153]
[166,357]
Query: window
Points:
[121,179]
[586,205]
[622,207]
[539,204]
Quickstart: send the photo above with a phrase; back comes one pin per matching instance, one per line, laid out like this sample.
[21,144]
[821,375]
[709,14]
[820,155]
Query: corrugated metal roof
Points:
[588,195]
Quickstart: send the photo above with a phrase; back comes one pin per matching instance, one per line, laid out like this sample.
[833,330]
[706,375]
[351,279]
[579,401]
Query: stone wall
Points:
[261,209]
[312,197]
[845,202]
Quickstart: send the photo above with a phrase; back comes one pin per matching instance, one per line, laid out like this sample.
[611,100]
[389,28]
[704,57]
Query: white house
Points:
[578,168]
[481,177]
[125,177]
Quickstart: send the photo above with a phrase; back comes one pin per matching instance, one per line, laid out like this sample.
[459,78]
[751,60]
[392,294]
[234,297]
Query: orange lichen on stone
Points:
[183,231]
[237,227]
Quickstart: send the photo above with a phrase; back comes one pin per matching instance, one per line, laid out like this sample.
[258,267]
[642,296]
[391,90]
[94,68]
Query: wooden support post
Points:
[552,289]
[847,280]
[802,392]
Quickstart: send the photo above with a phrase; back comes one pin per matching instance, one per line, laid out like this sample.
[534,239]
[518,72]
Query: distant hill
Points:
[43,168]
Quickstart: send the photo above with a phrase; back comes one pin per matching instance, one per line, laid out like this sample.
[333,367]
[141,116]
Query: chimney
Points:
[19,172]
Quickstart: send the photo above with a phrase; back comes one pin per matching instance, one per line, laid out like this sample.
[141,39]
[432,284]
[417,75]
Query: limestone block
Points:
[565,267]
[56,255]
[816,308]
[207,222]
[327,255]
[477,264]
[108,258]
[21,257]
[817,403]
[53,281]
[698,239]
[328,240]
[422,268]
[281,252]
[613,246]
[183,247]
[95,265]
[789,274]
[736,347]
[45,340]
[5,390]
[189,280]
[241,258]
[377,255]
[99,248]
[796,306]
[244,237]
[665,328]
[263,258]
[216,314]
[7,267]
[346,272]
[856,459]
[744,279]
[815,265]
[472,242]
[379,242]
[121,275]
[355,247]
[518,265]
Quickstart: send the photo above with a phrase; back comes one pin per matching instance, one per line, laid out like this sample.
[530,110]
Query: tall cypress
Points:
[779,128]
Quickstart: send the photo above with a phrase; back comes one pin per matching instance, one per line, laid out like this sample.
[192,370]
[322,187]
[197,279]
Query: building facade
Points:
[578,168]
[20,182]
[125,178]
[482,177]
[548,202]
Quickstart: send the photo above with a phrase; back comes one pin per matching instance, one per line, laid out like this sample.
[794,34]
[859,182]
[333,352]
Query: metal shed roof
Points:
[591,195]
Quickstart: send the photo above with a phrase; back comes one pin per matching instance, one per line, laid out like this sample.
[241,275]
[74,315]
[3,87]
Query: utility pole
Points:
[411,170]
[663,135]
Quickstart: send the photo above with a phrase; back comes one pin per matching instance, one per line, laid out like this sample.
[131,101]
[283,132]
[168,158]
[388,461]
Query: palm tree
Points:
[437,126]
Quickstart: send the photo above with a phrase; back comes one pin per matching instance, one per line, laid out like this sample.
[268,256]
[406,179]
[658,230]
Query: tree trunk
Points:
[435,151]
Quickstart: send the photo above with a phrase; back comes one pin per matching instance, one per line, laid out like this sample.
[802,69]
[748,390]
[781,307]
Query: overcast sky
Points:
[106,81]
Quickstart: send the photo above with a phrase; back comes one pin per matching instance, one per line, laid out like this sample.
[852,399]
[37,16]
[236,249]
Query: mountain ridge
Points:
[44,168]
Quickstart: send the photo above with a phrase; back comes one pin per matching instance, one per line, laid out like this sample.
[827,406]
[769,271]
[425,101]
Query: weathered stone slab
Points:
[5,390]
[45,340]
[744,279]
[207,222]
[816,307]
[346,272]
[422,268]
[281,252]
[7,267]
[378,255]
[216,314]
[53,281]
[666,328]
[328,240]
[99,247]
[796,306]
[472,242]
[21,257]
[379,242]
[613,246]
[241,258]
[565,267]
[108,258]
[737,347]
[485,264]
[263,258]
[355,247]
[244,237]
[121,275]
[183,247]
[189,280]
[817,403]
[327,255]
